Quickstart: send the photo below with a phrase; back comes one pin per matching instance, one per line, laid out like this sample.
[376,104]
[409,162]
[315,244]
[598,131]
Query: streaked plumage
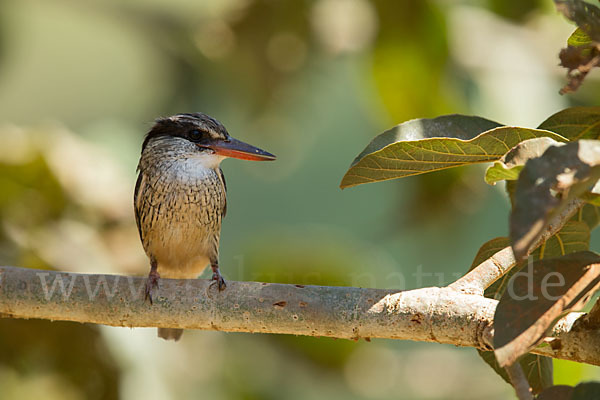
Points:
[180,197]
[180,201]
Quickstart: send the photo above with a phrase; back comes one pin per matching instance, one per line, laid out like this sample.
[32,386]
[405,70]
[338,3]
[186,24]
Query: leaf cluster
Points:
[583,46]
[550,172]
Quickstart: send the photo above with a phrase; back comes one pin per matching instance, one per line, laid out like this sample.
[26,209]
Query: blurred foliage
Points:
[409,72]
[36,348]
[434,193]
[516,10]
[30,196]
[310,81]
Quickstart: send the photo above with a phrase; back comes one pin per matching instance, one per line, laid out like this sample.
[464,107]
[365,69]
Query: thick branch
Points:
[441,315]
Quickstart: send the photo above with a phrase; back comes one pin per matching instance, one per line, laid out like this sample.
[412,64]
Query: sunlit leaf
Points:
[575,123]
[547,184]
[591,198]
[510,165]
[579,38]
[501,172]
[426,145]
[537,297]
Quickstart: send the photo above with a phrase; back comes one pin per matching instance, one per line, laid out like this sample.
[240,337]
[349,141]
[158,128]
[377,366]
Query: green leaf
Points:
[537,369]
[558,392]
[572,123]
[535,299]
[579,38]
[573,237]
[575,123]
[586,390]
[585,15]
[427,145]
[580,58]
[591,198]
[590,214]
[510,165]
[583,391]
[501,172]
[547,184]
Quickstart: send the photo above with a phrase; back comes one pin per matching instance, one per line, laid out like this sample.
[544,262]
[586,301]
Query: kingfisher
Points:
[180,198]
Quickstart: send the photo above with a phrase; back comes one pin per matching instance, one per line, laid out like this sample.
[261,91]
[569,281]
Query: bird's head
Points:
[200,135]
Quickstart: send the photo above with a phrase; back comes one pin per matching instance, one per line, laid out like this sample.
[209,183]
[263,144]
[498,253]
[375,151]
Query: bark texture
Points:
[442,315]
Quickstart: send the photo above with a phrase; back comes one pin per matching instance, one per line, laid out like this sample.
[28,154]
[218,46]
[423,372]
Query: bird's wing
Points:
[225,191]
[139,187]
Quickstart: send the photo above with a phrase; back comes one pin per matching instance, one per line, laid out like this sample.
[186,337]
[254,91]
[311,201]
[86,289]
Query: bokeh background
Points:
[311,81]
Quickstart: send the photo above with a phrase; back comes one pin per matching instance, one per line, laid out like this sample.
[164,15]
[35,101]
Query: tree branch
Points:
[441,315]
[485,274]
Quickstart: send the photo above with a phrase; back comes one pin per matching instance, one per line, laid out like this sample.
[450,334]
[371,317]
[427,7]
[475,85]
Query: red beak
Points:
[237,149]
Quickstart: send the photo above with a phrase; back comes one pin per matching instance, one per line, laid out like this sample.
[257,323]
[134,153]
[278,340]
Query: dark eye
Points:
[195,135]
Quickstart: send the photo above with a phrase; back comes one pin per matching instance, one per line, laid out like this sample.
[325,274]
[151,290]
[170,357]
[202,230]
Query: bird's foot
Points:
[151,285]
[218,280]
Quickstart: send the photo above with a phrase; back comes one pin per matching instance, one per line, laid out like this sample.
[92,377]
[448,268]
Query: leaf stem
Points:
[519,381]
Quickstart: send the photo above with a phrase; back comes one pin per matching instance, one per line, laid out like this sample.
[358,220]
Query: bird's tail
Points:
[170,333]
[187,272]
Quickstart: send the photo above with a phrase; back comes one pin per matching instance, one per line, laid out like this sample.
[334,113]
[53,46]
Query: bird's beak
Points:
[237,149]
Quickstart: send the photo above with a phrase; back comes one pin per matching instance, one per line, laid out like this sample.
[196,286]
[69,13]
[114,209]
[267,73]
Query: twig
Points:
[519,381]
[441,315]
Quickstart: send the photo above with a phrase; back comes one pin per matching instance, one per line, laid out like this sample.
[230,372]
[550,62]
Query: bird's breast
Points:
[181,208]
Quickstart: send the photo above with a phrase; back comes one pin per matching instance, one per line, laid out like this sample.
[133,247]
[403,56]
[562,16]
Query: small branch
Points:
[519,381]
[492,269]
[485,274]
[441,315]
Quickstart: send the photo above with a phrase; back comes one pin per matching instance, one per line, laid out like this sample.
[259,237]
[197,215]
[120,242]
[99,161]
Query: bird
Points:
[180,198]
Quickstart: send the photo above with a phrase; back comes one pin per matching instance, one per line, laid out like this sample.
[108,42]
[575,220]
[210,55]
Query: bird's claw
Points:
[151,285]
[218,280]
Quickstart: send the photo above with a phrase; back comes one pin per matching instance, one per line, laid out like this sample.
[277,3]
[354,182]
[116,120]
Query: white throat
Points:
[206,160]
